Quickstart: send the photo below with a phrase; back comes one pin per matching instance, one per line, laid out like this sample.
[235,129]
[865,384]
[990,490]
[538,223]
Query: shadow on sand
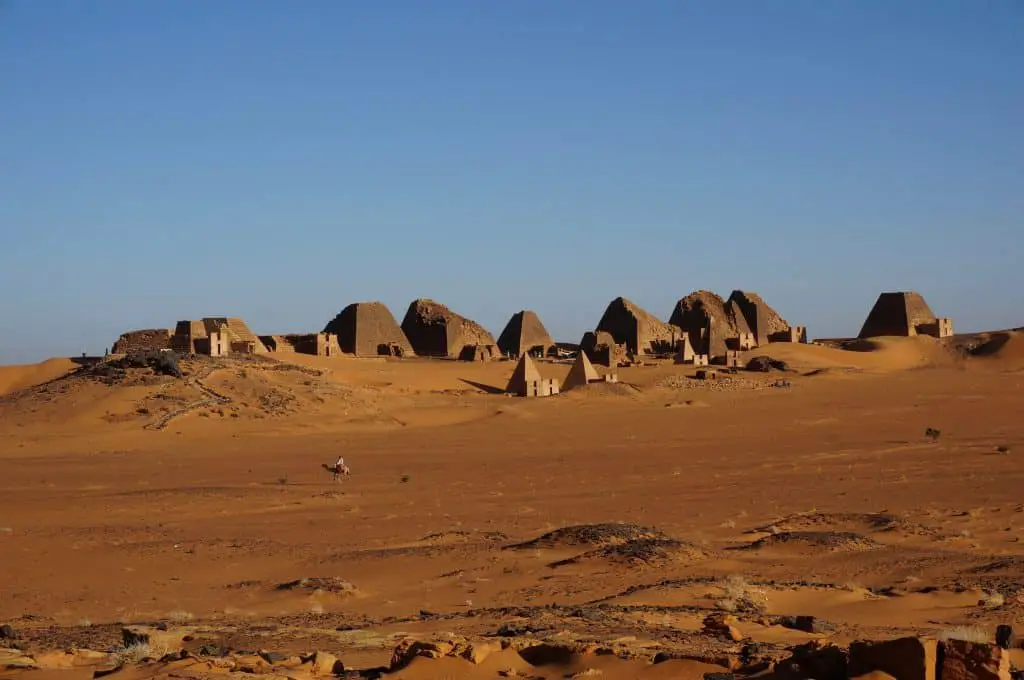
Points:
[489,389]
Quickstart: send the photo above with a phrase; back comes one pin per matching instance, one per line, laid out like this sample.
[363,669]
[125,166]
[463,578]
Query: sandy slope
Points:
[18,377]
[824,498]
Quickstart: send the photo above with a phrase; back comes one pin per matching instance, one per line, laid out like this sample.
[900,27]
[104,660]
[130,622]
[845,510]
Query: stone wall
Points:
[142,340]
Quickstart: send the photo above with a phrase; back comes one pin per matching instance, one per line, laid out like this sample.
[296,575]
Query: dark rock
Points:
[209,650]
[1004,636]
[765,364]
[7,633]
[807,624]
[273,657]
[719,676]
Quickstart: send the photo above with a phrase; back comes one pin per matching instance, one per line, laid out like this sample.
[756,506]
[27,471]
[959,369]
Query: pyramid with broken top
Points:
[525,374]
[581,373]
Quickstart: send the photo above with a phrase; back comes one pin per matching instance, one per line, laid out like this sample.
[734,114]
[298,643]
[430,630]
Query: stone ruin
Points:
[716,326]
[434,330]
[526,380]
[140,341]
[601,348]
[316,344]
[524,333]
[905,314]
[369,329]
[215,336]
[640,331]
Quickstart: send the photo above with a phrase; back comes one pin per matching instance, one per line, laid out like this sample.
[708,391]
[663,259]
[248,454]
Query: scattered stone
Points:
[7,632]
[763,364]
[816,659]
[273,657]
[722,625]
[963,660]
[325,663]
[807,624]
[408,649]
[476,652]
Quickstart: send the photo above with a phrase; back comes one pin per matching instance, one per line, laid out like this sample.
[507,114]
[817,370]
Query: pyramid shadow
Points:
[489,389]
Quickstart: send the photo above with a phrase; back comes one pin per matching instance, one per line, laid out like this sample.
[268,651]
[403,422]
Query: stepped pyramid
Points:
[581,373]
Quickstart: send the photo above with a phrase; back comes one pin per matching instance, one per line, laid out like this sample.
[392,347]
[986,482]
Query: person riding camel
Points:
[340,465]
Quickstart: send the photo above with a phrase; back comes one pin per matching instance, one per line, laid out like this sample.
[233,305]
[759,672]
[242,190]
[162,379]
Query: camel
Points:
[337,471]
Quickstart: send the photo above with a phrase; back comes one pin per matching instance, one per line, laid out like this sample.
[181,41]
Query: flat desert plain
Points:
[617,515]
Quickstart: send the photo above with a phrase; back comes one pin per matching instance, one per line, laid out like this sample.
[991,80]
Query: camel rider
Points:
[340,465]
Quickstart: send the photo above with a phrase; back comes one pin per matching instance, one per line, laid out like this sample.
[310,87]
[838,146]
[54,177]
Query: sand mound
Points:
[606,534]
[833,541]
[13,378]
[640,551]
[601,389]
[843,522]
[319,584]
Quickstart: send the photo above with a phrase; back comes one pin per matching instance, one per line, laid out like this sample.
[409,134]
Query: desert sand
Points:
[616,515]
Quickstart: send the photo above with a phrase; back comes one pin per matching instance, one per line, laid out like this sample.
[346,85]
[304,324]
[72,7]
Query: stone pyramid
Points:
[523,333]
[898,313]
[525,373]
[581,373]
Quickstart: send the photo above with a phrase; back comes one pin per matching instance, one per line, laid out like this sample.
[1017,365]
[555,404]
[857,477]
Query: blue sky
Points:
[277,160]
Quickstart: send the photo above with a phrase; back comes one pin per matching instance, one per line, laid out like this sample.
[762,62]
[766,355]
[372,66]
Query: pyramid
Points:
[525,373]
[897,314]
[761,319]
[636,328]
[581,373]
[434,330]
[369,329]
[523,333]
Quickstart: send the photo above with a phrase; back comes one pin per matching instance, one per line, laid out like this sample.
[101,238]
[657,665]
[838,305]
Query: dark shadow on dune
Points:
[860,346]
[992,345]
[85,361]
[489,389]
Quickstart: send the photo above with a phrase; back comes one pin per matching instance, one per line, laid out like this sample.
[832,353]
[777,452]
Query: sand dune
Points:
[19,377]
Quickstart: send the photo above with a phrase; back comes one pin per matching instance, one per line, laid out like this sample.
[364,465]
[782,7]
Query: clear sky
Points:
[277,160]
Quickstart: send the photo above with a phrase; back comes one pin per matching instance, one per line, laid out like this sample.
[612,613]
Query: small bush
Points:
[282,480]
[739,596]
[932,434]
[404,479]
